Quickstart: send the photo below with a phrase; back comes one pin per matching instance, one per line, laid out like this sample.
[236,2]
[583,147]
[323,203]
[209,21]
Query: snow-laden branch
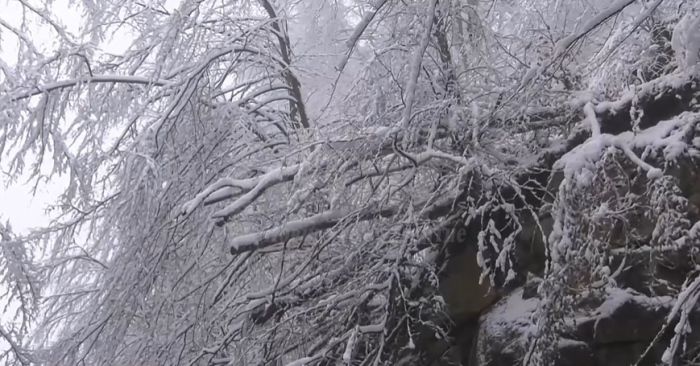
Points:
[430,209]
[652,172]
[589,112]
[360,148]
[265,182]
[253,186]
[117,79]
[332,300]
[295,229]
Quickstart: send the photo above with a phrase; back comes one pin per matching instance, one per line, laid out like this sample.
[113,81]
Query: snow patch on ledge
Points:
[616,297]
[511,314]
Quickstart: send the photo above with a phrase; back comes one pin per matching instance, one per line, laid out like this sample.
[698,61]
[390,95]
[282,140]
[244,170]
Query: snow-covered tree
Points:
[277,182]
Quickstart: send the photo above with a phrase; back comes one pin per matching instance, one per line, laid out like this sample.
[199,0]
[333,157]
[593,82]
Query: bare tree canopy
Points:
[274,182]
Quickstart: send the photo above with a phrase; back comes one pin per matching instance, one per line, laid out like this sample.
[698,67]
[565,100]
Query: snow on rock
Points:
[667,136]
[505,329]
[582,156]
[617,297]
[598,334]
[512,314]
[623,316]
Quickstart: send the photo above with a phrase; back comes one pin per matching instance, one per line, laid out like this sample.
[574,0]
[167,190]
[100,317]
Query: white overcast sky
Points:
[17,203]
[20,206]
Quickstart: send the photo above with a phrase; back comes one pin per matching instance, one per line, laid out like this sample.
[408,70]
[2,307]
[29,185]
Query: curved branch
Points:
[563,45]
[117,79]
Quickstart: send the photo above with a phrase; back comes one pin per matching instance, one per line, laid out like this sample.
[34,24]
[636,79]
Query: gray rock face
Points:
[624,329]
[505,330]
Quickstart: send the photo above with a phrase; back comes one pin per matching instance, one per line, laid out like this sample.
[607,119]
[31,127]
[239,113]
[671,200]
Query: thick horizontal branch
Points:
[308,225]
[429,210]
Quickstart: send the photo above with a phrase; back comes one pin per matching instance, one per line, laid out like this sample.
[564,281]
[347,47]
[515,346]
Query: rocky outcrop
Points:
[645,242]
[626,328]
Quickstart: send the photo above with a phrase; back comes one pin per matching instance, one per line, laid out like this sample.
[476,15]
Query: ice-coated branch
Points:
[15,348]
[419,159]
[686,301]
[45,16]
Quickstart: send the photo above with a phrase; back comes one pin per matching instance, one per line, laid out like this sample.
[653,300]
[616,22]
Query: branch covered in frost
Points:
[117,79]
